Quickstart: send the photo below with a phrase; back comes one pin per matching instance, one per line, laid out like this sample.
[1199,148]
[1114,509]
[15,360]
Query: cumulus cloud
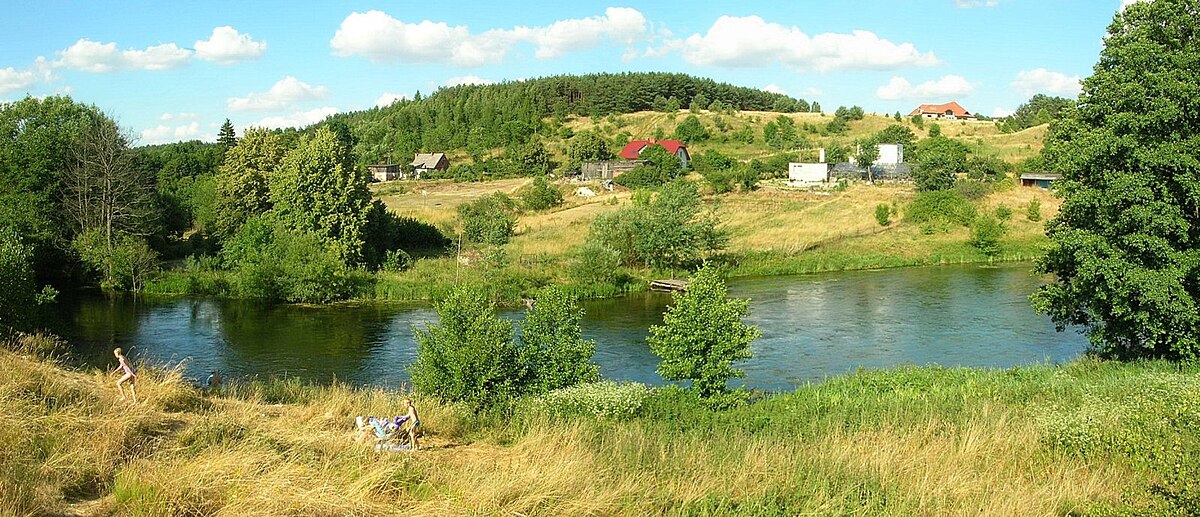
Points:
[1001,112]
[296,119]
[12,80]
[947,86]
[812,91]
[1029,82]
[380,37]
[96,57]
[976,3]
[227,46]
[176,116]
[460,80]
[774,88]
[282,95]
[163,134]
[751,41]
[388,98]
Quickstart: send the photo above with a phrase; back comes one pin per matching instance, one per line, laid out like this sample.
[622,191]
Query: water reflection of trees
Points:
[316,343]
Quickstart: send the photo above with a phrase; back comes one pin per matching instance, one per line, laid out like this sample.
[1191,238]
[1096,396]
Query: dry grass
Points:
[72,447]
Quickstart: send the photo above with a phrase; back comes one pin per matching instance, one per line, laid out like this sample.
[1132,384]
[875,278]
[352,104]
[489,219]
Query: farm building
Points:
[385,172]
[950,110]
[606,170]
[429,162]
[634,149]
[809,172]
[1039,179]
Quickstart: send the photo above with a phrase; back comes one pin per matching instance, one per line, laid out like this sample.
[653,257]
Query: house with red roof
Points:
[950,110]
[633,150]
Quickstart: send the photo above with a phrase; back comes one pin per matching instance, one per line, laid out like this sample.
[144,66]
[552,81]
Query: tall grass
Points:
[1089,437]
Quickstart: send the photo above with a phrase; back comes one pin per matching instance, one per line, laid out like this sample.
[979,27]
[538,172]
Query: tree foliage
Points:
[491,219]
[18,287]
[1126,241]
[1039,109]
[318,189]
[938,160]
[703,335]
[691,130]
[666,230]
[243,182]
[541,195]
[552,348]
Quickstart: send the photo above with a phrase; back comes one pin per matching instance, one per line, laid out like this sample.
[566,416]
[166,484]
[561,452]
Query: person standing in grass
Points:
[409,423]
[129,376]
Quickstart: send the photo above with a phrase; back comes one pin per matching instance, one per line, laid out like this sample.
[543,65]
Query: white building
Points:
[809,172]
[890,154]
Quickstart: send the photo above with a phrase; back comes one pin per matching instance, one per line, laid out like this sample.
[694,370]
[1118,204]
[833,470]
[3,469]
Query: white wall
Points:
[808,172]
[890,154]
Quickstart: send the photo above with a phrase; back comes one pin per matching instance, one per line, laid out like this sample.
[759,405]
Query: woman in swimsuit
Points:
[129,375]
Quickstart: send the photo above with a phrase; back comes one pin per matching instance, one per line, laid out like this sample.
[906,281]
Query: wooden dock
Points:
[668,285]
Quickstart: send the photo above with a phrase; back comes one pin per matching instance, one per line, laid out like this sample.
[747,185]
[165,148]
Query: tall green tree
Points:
[691,130]
[867,155]
[319,189]
[18,288]
[1126,242]
[243,182]
[226,136]
[939,160]
[703,335]
[552,345]
[36,139]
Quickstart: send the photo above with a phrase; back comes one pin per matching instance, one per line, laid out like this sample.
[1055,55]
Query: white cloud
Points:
[460,80]
[774,88]
[12,80]
[947,86]
[380,37]
[228,46]
[976,3]
[813,91]
[1001,112]
[163,134]
[282,95]
[176,116]
[388,98]
[93,56]
[295,119]
[1029,82]
[751,41]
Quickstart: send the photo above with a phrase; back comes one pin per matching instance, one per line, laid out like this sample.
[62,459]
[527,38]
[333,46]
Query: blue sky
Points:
[176,70]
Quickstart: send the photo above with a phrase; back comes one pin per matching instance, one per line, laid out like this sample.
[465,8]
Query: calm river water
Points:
[813,326]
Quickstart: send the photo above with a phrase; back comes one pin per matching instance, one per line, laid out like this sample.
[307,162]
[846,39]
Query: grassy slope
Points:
[1090,437]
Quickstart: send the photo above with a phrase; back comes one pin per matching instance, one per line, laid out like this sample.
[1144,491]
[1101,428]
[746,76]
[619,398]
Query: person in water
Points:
[214,380]
[129,376]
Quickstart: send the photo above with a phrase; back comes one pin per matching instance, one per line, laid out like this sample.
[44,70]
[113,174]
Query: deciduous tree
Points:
[1126,242]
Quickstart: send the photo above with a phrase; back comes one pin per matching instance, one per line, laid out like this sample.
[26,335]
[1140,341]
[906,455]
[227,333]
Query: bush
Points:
[540,195]
[972,189]
[386,232]
[277,264]
[1003,213]
[552,348]
[488,220]
[986,232]
[883,214]
[397,261]
[641,177]
[664,231]
[719,181]
[469,355]
[702,335]
[596,263]
[1033,211]
[940,207]
[604,399]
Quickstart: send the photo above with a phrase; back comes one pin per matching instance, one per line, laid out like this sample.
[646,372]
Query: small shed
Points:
[809,172]
[385,172]
[429,162]
[1039,179]
[607,170]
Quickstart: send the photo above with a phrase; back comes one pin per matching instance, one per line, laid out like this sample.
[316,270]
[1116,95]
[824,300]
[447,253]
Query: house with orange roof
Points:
[950,110]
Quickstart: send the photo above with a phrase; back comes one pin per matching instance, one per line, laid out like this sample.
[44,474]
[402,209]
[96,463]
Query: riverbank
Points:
[1090,437]
[772,232]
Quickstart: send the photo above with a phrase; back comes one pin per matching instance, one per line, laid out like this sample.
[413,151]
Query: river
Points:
[813,326]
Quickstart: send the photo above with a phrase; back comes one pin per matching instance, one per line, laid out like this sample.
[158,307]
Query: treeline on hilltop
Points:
[479,118]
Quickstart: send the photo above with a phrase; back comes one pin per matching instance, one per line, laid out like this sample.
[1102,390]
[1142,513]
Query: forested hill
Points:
[477,118]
